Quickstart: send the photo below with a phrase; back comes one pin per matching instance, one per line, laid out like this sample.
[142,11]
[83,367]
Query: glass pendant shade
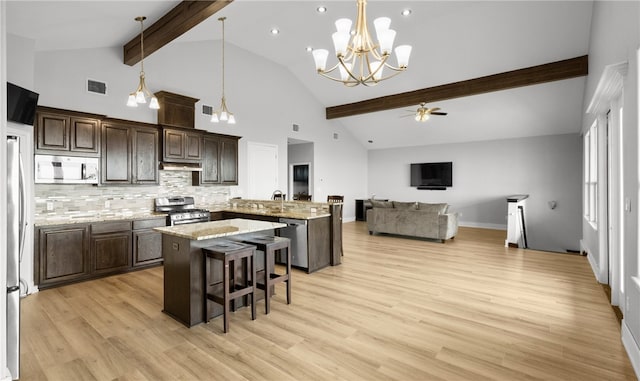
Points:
[153,104]
[402,53]
[232,119]
[343,26]
[376,68]
[131,102]
[214,118]
[320,57]
[340,42]
[386,38]
[223,116]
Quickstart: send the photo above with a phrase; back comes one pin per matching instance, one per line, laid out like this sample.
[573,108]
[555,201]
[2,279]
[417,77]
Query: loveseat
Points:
[415,219]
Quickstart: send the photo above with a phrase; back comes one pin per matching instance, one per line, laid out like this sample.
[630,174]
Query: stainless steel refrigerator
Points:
[16,228]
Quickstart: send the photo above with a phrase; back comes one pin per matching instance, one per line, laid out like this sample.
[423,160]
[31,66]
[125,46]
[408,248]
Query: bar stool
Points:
[227,252]
[269,245]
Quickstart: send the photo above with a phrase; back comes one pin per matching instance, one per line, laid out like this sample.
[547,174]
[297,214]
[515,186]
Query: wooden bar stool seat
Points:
[269,245]
[227,252]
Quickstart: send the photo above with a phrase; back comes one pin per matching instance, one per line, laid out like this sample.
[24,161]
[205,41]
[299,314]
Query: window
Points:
[591,175]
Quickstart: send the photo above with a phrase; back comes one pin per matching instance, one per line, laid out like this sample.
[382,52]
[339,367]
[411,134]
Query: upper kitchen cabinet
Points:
[176,110]
[229,160]
[219,161]
[181,146]
[129,153]
[63,132]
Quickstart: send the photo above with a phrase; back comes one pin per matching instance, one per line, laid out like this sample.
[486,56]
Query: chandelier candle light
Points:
[223,114]
[361,60]
[141,93]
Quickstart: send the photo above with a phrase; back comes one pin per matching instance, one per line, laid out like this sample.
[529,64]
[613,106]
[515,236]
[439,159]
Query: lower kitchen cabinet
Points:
[62,254]
[73,252]
[147,243]
[110,247]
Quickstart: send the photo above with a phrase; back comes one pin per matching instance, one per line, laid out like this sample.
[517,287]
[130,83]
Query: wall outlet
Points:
[49,205]
[107,204]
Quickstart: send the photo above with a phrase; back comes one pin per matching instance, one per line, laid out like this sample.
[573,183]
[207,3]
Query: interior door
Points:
[262,170]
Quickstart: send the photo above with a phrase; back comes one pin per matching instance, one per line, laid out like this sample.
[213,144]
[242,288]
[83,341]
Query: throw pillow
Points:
[404,205]
[381,204]
[433,208]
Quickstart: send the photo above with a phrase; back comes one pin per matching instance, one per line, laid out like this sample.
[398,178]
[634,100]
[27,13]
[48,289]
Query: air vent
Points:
[96,87]
[207,110]
[296,127]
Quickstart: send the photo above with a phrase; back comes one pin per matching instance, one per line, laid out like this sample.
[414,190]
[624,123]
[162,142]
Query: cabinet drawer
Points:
[110,227]
[150,223]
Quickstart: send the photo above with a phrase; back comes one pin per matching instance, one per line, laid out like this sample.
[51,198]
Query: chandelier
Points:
[223,114]
[360,59]
[141,93]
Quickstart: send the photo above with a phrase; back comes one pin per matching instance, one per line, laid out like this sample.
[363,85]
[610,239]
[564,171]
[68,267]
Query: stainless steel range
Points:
[181,210]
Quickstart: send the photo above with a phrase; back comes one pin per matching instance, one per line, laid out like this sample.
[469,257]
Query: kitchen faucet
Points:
[278,193]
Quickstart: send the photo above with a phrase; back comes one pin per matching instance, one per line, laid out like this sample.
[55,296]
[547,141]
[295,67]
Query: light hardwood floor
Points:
[396,309]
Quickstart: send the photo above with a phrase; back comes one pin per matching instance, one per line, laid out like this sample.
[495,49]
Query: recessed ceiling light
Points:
[309,49]
[275,31]
[321,9]
[406,12]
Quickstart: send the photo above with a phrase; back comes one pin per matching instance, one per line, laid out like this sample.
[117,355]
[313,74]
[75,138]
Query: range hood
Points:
[191,167]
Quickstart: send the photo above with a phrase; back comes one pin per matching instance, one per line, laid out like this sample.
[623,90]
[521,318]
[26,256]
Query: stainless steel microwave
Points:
[66,170]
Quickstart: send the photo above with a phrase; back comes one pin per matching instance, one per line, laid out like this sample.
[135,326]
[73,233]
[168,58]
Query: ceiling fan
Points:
[423,113]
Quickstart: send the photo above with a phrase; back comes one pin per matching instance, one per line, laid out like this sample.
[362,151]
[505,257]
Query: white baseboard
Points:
[594,267]
[630,344]
[482,225]
[348,219]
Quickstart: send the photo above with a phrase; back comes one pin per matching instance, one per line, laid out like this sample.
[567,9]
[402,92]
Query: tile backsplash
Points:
[67,200]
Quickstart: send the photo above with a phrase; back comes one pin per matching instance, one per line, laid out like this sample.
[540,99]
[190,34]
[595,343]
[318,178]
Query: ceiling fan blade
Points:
[431,110]
[438,113]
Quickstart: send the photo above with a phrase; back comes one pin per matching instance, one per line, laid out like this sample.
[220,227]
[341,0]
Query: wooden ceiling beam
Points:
[172,25]
[554,71]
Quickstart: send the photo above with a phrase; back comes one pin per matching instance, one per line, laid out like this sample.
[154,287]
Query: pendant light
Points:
[141,94]
[223,114]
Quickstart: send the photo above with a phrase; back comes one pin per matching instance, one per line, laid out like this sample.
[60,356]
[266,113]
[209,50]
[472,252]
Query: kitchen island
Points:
[184,263]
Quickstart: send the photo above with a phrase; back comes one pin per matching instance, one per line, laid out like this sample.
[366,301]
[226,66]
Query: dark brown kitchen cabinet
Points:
[147,243]
[144,155]
[181,146]
[219,161]
[64,132]
[62,254]
[210,162]
[110,246]
[129,153]
[229,161]
[115,165]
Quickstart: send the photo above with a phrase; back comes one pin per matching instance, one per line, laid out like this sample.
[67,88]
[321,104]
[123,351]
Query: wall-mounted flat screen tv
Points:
[432,174]
[21,104]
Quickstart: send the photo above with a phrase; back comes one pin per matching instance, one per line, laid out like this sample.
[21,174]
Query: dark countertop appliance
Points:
[181,210]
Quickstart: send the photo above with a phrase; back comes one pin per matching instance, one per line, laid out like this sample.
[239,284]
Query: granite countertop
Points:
[275,212]
[95,217]
[217,229]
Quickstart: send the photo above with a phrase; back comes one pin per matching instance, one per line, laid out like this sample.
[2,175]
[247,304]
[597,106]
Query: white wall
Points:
[615,38]
[547,168]
[266,99]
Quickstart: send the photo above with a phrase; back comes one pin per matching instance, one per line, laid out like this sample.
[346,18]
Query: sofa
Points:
[416,219]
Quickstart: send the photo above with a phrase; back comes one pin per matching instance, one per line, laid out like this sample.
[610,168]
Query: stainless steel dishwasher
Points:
[296,231]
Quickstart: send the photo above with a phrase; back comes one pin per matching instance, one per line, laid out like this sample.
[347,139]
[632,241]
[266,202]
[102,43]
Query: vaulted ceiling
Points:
[452,41]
